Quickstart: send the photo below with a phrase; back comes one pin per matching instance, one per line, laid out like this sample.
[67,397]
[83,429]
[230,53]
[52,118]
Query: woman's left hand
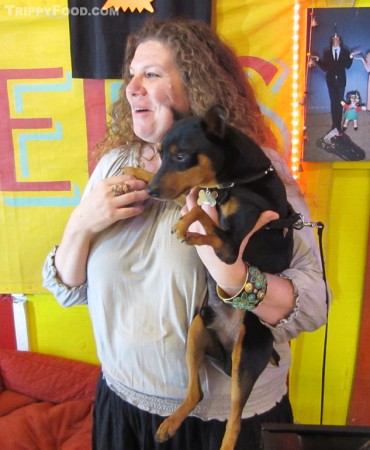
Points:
[229,276]
[280,298]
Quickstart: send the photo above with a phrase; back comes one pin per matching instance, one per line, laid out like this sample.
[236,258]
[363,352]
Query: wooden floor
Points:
[318,125]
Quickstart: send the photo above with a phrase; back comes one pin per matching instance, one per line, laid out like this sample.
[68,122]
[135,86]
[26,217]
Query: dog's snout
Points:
[153,191]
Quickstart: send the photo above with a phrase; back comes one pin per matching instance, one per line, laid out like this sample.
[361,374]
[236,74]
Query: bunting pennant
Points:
[132,5]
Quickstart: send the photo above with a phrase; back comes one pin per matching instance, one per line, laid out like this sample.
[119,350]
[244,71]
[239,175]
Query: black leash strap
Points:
[320,228]
[293,220]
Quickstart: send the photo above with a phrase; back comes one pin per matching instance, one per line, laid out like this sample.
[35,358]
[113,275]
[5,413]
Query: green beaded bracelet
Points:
[251,294]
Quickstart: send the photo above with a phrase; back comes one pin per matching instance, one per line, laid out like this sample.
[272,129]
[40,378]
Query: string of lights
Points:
[296,113]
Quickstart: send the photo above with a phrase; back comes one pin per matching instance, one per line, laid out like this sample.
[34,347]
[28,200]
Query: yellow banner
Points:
[49,122]
[262,35]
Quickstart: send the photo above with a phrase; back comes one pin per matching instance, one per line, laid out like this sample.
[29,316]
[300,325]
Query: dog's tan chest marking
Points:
[230,207]
[205,168]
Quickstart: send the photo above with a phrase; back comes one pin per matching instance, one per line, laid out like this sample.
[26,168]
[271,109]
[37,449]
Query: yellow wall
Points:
[60,331]
[342,188]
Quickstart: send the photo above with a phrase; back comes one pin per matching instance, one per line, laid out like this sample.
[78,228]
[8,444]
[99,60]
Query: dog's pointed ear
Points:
[214,121]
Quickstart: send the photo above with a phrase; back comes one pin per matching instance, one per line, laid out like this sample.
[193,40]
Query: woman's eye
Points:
[152,75]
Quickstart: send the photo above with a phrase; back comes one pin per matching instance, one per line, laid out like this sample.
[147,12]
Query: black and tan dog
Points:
[237,177]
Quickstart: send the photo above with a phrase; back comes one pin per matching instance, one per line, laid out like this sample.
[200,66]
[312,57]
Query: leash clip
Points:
[301,223]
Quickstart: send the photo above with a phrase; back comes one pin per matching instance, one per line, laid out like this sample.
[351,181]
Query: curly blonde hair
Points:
[211,74]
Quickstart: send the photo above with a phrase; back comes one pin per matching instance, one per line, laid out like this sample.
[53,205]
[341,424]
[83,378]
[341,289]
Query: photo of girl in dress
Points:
[351,107]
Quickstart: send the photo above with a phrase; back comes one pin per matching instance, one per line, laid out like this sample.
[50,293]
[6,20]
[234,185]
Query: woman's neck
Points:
[149,158]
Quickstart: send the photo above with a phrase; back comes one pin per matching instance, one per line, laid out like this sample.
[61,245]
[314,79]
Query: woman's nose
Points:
[135,86]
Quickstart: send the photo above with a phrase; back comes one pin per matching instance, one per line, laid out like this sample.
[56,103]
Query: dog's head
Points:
[191,154]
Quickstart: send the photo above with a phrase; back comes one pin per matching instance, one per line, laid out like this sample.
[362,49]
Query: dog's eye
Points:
[181,157]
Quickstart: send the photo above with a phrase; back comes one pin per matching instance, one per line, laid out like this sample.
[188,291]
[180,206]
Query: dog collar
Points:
[257,176]
[225,185]
[246,180]
[209,197]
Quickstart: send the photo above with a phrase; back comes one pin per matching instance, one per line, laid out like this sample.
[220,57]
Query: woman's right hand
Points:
[101,207]
[96,212]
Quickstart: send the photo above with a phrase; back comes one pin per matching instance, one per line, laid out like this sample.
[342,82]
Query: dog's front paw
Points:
[166,430]
[180,229]
[129,171]
[138,173]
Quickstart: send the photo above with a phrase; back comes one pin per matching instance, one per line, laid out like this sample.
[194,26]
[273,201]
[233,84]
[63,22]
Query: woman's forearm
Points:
[71,256]
[279,300]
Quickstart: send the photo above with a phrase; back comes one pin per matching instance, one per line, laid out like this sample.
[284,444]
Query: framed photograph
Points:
[337,101]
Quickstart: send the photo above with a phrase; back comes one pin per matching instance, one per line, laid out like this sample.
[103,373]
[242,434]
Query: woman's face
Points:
[154,88]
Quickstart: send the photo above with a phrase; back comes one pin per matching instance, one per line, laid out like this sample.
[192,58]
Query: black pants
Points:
[121,426]
[336,94]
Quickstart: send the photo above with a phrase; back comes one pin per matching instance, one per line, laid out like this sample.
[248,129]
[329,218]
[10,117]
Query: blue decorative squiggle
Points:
[20,89]
[282,77]
[114,88]
[25,137]
[279,122]
[45,201]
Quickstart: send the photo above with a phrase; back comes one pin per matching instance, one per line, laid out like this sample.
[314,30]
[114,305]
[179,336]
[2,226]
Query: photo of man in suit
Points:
[334,62]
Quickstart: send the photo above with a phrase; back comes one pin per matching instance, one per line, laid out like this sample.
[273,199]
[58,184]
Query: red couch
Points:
[46,402]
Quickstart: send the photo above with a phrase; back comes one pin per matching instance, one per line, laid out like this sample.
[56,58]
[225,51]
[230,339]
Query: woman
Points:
[142,286]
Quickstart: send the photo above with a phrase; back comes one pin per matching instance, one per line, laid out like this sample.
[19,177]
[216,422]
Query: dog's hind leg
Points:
[240,390]
[250,356]
[198,340]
